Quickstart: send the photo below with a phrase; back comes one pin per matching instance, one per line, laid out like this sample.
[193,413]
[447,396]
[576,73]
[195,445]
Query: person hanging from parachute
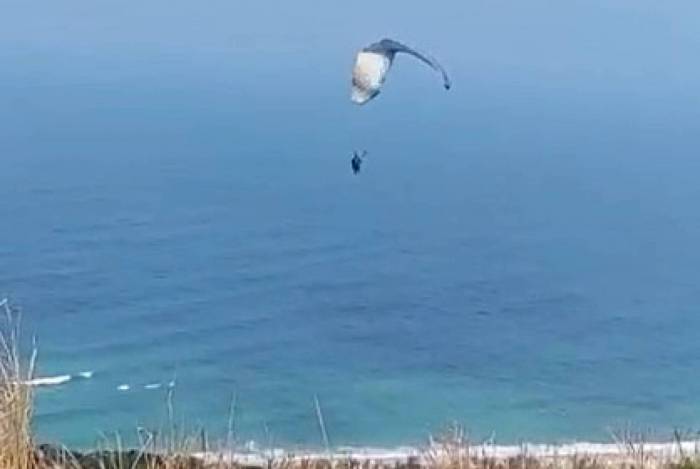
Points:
[357,160]
[372,64]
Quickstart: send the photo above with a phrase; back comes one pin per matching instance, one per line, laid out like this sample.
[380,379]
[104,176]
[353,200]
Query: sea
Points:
[518,255]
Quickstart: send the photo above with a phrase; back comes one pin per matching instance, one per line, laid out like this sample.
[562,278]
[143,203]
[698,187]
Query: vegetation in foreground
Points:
[170,450]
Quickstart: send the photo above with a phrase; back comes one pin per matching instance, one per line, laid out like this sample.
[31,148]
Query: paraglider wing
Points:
[390,47]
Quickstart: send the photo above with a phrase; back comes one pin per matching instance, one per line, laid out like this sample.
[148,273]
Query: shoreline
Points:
[607,453]
[448,454]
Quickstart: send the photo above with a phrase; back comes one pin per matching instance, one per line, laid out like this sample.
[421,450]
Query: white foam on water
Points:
[57,380]
[48,380]
[123,387]
[153,386]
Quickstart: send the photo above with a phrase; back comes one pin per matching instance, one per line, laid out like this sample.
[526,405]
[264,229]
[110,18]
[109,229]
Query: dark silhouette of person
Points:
[356,161]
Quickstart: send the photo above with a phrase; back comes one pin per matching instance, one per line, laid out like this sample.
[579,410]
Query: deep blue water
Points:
[514,256]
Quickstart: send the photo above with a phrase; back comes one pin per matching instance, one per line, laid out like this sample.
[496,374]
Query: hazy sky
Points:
[641,41]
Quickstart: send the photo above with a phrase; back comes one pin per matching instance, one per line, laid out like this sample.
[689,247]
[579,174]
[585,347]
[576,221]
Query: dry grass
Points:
[16,399]
[454,450]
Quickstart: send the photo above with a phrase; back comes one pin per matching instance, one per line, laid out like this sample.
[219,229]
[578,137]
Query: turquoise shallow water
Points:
[514,257]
